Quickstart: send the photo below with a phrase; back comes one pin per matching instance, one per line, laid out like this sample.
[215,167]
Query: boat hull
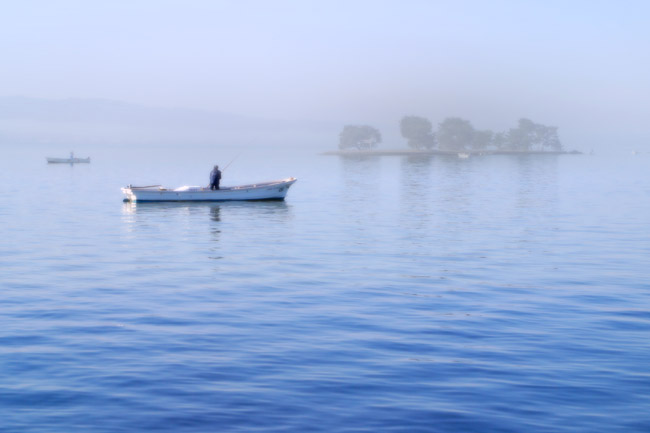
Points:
[276,190]
[67,160]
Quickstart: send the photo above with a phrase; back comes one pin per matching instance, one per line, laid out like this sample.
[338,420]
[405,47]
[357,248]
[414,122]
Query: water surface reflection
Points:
[216,231]
[172,216]
[267,208]
[417,209]
[537,182]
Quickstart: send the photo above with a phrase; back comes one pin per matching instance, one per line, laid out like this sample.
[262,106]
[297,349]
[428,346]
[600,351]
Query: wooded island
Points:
[454,135]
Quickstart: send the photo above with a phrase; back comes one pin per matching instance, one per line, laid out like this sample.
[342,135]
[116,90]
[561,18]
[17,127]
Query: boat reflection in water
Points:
[222,230]
[150,212]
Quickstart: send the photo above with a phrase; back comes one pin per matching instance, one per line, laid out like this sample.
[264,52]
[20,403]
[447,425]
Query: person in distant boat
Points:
[215,177]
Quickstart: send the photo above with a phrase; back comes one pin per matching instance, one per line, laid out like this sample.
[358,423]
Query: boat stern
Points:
[128,194]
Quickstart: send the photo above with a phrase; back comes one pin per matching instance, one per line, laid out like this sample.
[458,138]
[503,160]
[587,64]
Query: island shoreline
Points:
[444,152]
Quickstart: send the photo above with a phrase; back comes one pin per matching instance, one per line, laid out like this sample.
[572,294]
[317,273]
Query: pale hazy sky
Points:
[575,64]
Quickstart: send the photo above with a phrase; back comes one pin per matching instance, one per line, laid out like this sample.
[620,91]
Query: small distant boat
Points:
[67,160]
[70,160]
[274,190]
[463,155]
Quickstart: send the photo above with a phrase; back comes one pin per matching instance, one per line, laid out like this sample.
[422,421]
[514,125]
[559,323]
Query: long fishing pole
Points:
[233,160]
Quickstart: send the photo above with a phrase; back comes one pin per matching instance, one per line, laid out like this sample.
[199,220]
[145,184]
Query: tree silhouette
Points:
[530,135]
[417,130]
[482,139]
[455,134]
[500,140]
[360,137]
[550,138]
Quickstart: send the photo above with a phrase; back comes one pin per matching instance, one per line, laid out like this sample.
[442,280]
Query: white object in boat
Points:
[274,190]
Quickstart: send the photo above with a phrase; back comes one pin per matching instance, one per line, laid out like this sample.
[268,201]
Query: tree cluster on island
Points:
[359,137]
[456,135]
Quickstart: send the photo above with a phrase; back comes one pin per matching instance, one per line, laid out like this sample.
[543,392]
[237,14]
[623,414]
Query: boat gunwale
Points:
[159,188]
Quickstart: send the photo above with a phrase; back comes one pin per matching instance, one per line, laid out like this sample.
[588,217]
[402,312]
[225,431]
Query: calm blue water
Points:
[494,294]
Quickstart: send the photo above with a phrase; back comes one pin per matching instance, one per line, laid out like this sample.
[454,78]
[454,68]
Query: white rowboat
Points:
[274,190]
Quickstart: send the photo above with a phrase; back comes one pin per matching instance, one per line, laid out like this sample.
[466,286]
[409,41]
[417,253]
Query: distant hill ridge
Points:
[112,111]
[94,120]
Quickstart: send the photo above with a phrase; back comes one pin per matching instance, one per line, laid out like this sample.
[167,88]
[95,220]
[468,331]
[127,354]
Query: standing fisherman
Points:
[215,177]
